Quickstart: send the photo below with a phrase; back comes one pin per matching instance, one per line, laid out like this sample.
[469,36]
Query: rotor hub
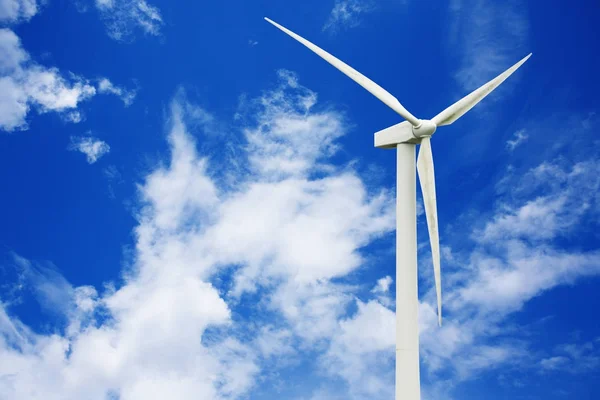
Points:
[425,128]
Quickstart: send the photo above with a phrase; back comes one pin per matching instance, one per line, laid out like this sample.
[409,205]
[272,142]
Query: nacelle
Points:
[425,128]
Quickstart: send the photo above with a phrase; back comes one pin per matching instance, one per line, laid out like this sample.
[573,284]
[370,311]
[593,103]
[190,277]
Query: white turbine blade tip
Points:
[269,20]
[353,74]
[458,109]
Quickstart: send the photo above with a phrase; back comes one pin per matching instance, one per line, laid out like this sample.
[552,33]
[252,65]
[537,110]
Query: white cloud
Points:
[383,285]
[289,139]
[382,291]
[346,14]
[282,241]
[513,258]
[573,358]
[123,17]
[93,148]
[275,342]
[312,310]
[550,201]
[148,337]
[52,290]
[362,352]
[12,11]
[13,105]
[114,178]
[106,86]
[52,92]
[73,116]
[525,273]
[11,53]
[181,190]
[553,363]
[24,84]
[300,229]
[519,137]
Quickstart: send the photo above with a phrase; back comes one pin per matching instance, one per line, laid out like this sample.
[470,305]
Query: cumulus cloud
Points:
[154,335]
[346,14]
[229,280]
[124,17]
[362,352]
[12,11]
[92,147]
[25,85]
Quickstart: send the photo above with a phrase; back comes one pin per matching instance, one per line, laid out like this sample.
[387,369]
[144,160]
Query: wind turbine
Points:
[404,137]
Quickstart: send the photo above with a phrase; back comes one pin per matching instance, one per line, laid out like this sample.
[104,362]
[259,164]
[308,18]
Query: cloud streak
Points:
[489,37]
[518,138]
[124,17]
[346,14]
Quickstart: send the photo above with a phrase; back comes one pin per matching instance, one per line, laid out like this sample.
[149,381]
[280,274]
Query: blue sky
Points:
[192,205]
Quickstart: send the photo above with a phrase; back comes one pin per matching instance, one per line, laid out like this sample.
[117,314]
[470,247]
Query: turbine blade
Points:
[458,109]
[353,74]
[427,180]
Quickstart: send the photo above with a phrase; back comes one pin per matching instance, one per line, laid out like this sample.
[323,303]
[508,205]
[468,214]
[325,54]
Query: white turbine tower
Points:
[403,137]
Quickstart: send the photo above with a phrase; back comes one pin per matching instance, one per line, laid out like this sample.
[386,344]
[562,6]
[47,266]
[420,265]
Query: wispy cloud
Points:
[53,291]
[346,14]
[114,178]
[513,258]
[519,137]
[92,147]
[573,358]
[14,11]
[124,17]
[554,363]
[127,96]
[487,37]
